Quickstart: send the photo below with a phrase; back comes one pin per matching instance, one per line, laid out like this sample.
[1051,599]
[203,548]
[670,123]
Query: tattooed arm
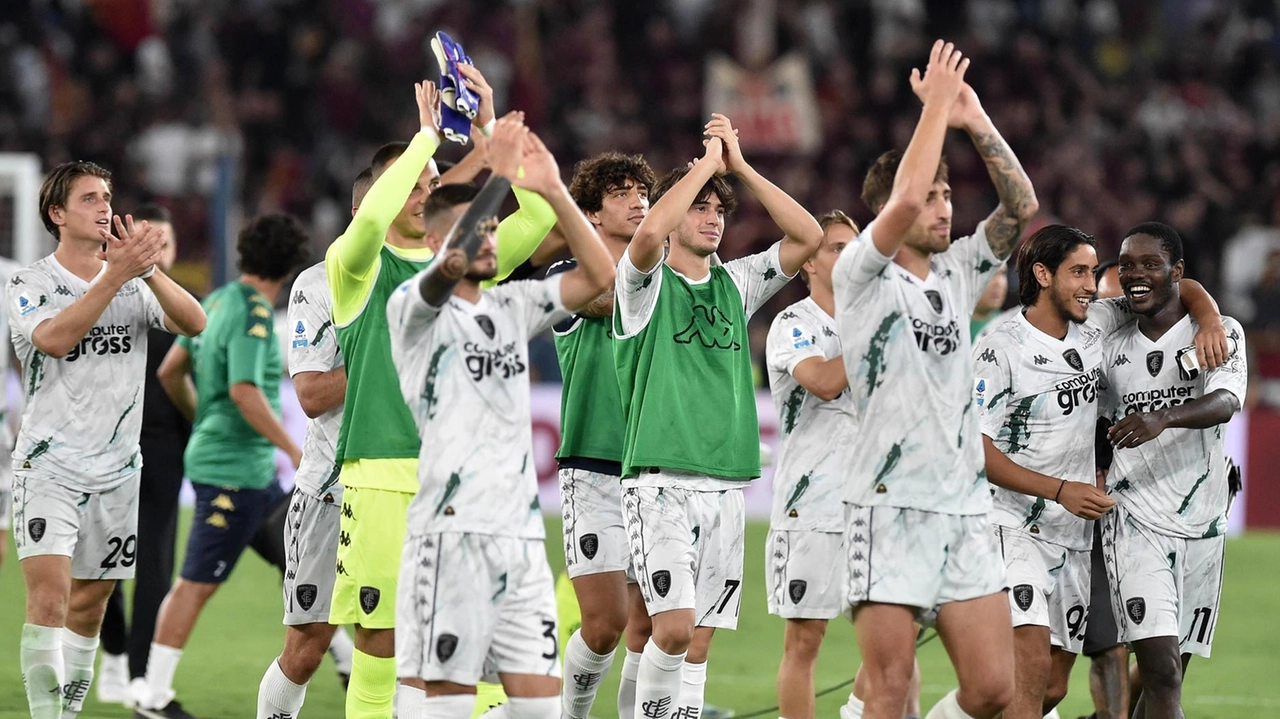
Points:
[1018,202]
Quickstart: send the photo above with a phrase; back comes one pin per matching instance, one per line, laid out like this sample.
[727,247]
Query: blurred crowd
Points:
[1120,111]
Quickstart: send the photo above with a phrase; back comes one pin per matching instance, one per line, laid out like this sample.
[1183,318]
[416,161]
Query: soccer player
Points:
[612,190]
[806,526]
[476,594]
[1036,396]
[79,320]
[228,381]
[1164,542]
[692,437]
[918,534]
[378,445]
[311,532]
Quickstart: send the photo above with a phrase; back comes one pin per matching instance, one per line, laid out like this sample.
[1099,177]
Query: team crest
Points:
[935,299]
[35,528]
[796,590]
[590,544]
[369,597]
[1155,362]
[486,324]
[306,596]
[1073,358]
[662,582]
[1023,596]
[445,646]
[1137,609]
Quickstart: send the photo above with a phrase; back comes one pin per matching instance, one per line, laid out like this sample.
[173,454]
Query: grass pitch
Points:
[240,633]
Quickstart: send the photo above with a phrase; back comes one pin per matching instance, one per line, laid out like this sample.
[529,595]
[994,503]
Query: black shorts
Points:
[1100,633]
[225,522]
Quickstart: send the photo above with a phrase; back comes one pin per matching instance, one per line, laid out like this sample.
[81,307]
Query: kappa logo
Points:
[486,325]
[828,332]
[35,528]
[1120,360]
[446,645]
[1136,609]
[369,597]
[788,315]
[299,298]
[590,544]
[1155,362]
[796,590]
[1073,358]
[662,582]
[1041,360]
[62,290]
[306,594]
[1023,596]
[710,327]
[988,355]
[935,299]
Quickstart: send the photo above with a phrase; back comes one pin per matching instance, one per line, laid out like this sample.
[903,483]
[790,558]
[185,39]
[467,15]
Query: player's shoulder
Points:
[259,316]
[310,289]
[797,314]
[44,269]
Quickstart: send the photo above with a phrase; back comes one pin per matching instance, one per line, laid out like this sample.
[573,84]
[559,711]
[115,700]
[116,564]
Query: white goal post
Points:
[22,235]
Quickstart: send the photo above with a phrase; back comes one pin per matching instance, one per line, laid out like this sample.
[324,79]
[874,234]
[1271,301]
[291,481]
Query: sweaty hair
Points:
[878,185]
[152,213]
[1049,246]
[1170,240]
[386,155]
[837,217]
[57,187]
[1101,272]
[361,186]
[272,246]
[595,176]
[716,184]
[445,198]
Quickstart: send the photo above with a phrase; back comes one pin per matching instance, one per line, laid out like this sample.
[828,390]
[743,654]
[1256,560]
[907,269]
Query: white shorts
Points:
[687,550]
[98,530]
[806,574]
[1048,586]
[920,559]
[595,540]
[311,555]
[6,495]
[1162,586]
[471,606]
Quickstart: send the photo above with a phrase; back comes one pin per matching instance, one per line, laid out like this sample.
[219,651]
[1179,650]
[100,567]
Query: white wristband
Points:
[487,130]
[150,271]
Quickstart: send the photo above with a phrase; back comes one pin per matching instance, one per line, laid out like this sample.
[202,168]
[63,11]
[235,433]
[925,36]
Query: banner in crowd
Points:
[774,109]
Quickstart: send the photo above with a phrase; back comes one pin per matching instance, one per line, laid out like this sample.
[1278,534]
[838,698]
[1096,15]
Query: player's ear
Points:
[593,217]
[1042,273]
[1179,268]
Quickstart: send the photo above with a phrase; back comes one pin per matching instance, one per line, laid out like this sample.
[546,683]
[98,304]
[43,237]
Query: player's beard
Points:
[1064,303]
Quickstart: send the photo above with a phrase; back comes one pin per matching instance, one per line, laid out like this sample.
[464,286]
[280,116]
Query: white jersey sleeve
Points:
[29,293]
[1233,375]
[635,296]
[967,267]
[535,304]
[313,347]
[808,485]
[758,277]
[1110,314]
[858,265]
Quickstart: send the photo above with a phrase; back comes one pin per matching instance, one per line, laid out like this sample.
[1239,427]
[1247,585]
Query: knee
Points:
[300,659]
[989,695]
[891,680]
[1161,671]
[602,631]
[803,639]
[1054,694]
[47,605]
[672,635]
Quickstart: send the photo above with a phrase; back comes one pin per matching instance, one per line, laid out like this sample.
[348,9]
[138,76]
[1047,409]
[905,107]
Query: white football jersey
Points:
[1175,484]
[7,269]
[313,347]
[908,358]
[808,486]
[83,412]
[1037,399]
[464,372]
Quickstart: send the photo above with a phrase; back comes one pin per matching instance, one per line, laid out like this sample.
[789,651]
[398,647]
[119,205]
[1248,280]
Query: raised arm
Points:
[594,272]
[354,253]
[665,215]
[1018,202]
[942,80]
[802,233]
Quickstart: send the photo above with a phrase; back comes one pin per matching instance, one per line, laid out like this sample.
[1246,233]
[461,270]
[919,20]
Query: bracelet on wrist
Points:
[1059,494]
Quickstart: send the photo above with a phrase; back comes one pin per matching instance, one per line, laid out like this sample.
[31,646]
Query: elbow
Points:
[196,324]
[56,350]
[1029,207]
[310,406]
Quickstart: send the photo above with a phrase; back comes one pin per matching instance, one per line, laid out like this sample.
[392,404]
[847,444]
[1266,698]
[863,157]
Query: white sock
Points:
[533,707]
[852,709]
[947,708]
[340,648]
[40,655]
[279,698]
[693,687]
[409,702]
[627,687]
[658,683]
[78,654]
[583,670]
[445,706]
[161,667]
